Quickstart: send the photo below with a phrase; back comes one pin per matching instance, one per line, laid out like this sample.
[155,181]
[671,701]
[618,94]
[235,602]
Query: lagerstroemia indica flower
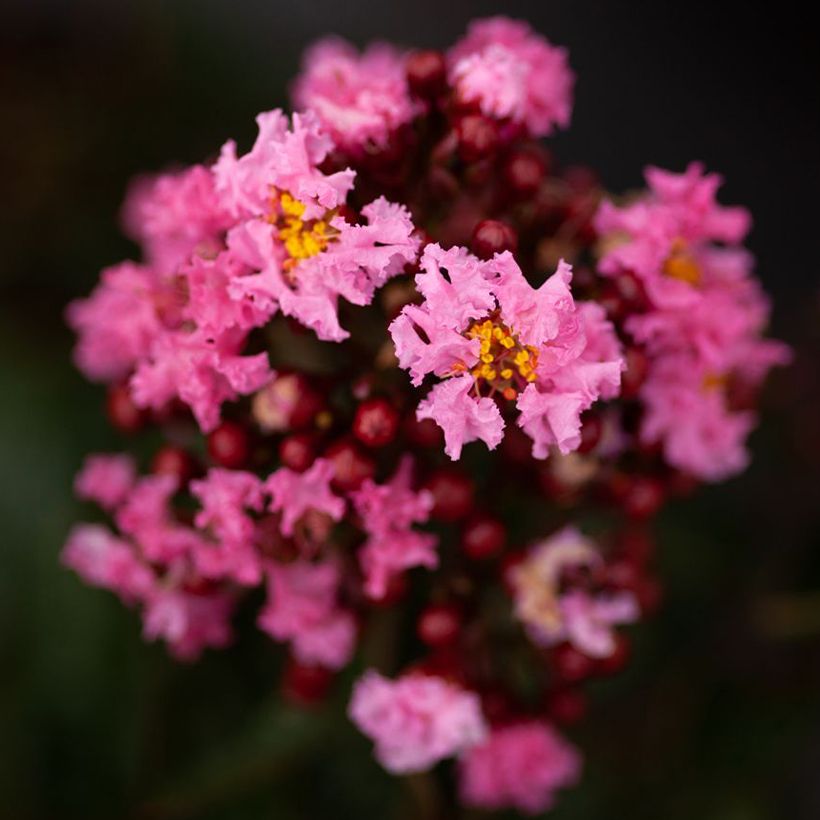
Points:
[513,73]
[487,334]
[518,766]
[705,318]
[359,98]
[303,253]
[312,474]
[416,720]
[552,614]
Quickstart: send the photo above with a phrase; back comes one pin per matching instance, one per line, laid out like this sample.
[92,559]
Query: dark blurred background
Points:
[719,714]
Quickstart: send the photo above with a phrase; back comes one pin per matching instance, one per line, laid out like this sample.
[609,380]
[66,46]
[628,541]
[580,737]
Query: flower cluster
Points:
[701,319]
[393,356]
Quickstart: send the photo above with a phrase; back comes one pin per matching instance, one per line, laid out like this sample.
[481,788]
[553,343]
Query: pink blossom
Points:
[519,766]
[175,215]
[667,237]
[103,560]
[686,410]
[579,616]
[301,254]
[388,512]
[293,494]
[513,73]
[359,98]
[302,609]
[203,371]
[227,496]
[188,621]
[416,720]
[490,335]
[106,478]
[116,323]
[148,518]
[284,157]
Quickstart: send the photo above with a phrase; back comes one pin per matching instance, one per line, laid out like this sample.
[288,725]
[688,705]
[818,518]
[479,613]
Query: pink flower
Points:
[301,253]
[188,621]
[175,215]
[513,73]
[686,410]
[666,238]
[106,478]
[226,497]
[491,336]
[302,609]
[388,512]
[416,720]
[582,617]
[706,320]
[293,494]
[103,560]
[358,98]
[202,370]
[519,766]
[117,323]
[147,517]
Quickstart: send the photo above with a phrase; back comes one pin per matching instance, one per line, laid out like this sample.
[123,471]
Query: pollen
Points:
[681,265]
[301,237]
[505,365]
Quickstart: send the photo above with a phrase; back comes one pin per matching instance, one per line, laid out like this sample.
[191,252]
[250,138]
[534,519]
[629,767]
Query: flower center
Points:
[505,365]
[302,238]
[681,265]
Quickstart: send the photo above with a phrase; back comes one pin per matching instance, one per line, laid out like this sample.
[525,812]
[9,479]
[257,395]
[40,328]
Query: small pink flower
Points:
[359,98]
[388,512]
[227,496]
[490,335]
[175,215]
[103,560]
[302,609]
[301,254]
[416,720]
[520,766]
[202,370]
[106,478]
[116,323]
[146,516]
[188,621]
[667,237]
[551,616]
[513,73]
[294,494]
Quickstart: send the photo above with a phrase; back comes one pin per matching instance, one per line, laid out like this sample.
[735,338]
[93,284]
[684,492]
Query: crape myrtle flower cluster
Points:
[392,356]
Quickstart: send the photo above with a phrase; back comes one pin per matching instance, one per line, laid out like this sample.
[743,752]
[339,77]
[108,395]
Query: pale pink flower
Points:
[293,494]
[116,323]
[227,497]
[388,512]
[513,73]
[301,253]
[359,98]
[202,370]
[667,236]
[174,215]
[302,608]
[416,720]
[583,618]
[148,518]
[520,766]
[106,478]
[103,560]
[188,621]
[491,336]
